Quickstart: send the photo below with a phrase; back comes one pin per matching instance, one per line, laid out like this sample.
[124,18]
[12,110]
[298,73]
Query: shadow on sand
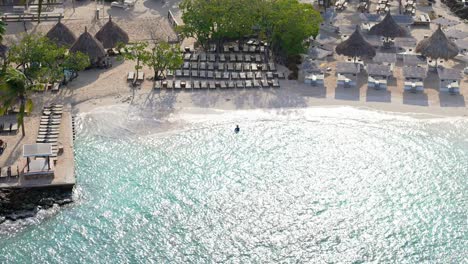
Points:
[415,98]
[451,100]
[381,96]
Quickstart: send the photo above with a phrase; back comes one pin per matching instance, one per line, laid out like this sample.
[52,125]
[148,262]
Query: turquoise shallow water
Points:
[336,185]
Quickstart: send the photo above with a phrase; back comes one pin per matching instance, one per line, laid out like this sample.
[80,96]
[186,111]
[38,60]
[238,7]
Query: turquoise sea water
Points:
[324,185]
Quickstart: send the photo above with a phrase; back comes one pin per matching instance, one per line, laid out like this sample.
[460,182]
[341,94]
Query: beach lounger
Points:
[157,85]
[258,58]
[220,66]
[275,83]
[209,74]
[249,75]
[204,85]
[256,84]
[222,58]
[235,48]
[238,66]
[202,66]
[51,140]
[186,65]
[231,84]
[211,85]
[218,75]
[225,75]
[271,66]
[196,85]
[210,66]
[194,66]
[170,73]
[232,57]
[226,48]
[269,75]
[247,58]
[234,75]
[194,57]
[177,85]
[202,57]
[230,67]
[202,74]
[253,67]
[141,76]
[246,67]
[248,84]
[194,73]
[252,49]
[212,57]
[164,84]
[240,84]
[178,73]
[217,84]
[131,76]
[224,85]
[281,75]
[43,136]
[239,57]
[265,83]
[186,73]
[170,84]
[258,75]
[242,75]
[50,123]
[187,56]
[55,87]
[188,85]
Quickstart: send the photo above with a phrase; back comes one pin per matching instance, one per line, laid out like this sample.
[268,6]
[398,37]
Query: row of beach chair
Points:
[252,46]
[225,75]
[49,128]
[233,57]
[189,85]
[221,66]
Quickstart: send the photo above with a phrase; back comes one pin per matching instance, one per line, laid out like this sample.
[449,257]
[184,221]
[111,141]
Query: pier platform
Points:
[63,167]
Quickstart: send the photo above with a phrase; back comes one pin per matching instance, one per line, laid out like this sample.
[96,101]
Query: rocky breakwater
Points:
[23,203]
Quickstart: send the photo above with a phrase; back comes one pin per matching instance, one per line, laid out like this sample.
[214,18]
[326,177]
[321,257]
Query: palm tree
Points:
[14,88]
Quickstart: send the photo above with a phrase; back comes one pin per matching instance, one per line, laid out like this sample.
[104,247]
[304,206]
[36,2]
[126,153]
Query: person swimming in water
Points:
[237,129]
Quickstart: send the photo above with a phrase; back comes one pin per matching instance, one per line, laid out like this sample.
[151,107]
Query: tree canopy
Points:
[42,59]
[283,23]
[160,57]
[14,88]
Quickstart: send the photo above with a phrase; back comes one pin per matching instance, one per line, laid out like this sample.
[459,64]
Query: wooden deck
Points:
[63,175]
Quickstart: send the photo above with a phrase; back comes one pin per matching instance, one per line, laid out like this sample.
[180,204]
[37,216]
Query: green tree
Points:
[284,23]
[2,30]
[217,20]
[288,24]
[137,52]
[42,60]
[14,87]
[163,57]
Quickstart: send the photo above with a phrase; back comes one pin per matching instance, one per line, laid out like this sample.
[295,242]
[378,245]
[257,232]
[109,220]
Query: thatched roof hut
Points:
[355,46]
[437,46]
[90,46]
[111,34]
[61,35]
[388,28]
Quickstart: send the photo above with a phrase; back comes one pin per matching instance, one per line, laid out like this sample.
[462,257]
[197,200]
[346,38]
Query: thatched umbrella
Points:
[90,46]
[388,28]
[355,46]
[61,35]
[111,34]
[437,46]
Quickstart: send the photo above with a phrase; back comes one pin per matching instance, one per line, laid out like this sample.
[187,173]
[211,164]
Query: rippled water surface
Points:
[336,185]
